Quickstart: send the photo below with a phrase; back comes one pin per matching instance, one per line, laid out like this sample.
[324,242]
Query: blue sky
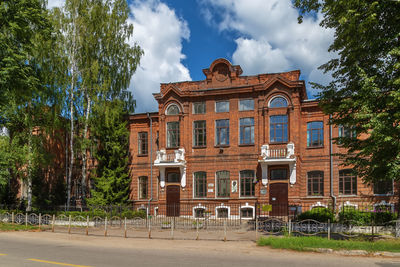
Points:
[182,37]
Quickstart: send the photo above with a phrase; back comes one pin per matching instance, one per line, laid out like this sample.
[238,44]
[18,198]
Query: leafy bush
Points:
[319,214]
[357,217]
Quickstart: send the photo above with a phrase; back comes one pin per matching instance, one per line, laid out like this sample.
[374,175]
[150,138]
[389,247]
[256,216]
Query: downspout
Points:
[151,162]
[331,162]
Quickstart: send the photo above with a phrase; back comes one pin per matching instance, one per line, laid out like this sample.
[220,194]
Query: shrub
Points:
[319,214]
[357,217]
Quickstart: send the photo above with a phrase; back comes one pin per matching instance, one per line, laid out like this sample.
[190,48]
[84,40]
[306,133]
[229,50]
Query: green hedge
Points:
[366,217]
[319,214]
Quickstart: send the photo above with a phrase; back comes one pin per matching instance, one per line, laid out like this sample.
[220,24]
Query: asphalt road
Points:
[54,249]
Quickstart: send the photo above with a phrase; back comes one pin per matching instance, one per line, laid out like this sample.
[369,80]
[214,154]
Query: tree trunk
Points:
[84,151]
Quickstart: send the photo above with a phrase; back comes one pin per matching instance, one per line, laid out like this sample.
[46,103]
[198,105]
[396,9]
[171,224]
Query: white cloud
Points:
[270,39]
[159,32]
[55,3]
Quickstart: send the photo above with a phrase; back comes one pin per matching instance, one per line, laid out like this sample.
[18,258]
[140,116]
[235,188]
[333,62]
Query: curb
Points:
[355,252]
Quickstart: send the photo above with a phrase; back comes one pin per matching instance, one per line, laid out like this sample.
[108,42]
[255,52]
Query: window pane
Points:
[347,183]
[143,187]
[315,183]
[246,104]
[142,143]
[199,108]
[223,184]
[278,102]
[199,133]
[222,106]
[222,132]
[173,110]
[246,130]
[278,129]
[315,134]
[278,174]
[383,187]
[200,184]
[173,134]
[247,185]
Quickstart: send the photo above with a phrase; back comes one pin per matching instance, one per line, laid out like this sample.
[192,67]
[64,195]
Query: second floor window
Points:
[173,134]
[315,134]
[199,107]
[142,143]
[315,183]
[278,129]
[247,185]
[347,183]
[246,104]
[223,184]
[199,133]
[200,184]
[246,131]
[222,106]
[143,187]
[222,132]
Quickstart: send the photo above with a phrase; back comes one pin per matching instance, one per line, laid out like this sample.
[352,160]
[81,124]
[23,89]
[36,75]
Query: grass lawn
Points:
[16,227]
[305,242]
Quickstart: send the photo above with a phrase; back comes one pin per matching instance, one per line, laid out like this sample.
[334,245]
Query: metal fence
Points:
[222,221]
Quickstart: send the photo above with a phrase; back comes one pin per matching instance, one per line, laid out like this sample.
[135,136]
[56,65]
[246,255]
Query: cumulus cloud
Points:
[269,37]
[159,32]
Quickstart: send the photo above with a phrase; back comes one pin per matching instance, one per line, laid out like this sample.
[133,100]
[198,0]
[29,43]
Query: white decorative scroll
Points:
[162,177]
[264,168]
[183,177]
[292,179]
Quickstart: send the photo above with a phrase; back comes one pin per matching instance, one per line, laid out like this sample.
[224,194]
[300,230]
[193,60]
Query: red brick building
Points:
[240,139]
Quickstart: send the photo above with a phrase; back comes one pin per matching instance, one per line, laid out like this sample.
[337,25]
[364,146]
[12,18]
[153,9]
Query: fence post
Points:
[197,229]
[397,228]
[105,227]
[40,221]
[26,219]
[12,217]
[125,228]
[372,230]
[225,231]
[172,228]
[69,225]
[329,229]
[290,226]
[149,222]
[53,222]
[87,225]
[256,227]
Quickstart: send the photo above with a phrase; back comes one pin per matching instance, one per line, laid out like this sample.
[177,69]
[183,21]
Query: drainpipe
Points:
[151,161]
[331,162]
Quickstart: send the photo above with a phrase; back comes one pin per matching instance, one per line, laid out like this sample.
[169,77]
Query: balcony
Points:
[173,159]
[278,156]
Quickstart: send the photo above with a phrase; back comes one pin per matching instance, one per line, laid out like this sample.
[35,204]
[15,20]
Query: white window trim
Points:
[205,108]
[142,207]
[272,98]
[172,104]
[222,206]
[319,204]
[199,206]
[384,203]
[246,109]
[348,204]
[247,206]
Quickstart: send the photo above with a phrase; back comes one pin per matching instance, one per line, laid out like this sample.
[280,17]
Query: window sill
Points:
[244,145]
[200,198]
[315,196]
[222,197]
[278,143]
[384,195]
[347,195]
[143,155]
[221,146]
[314,147]
[174,147]
[199,147]
[248,197]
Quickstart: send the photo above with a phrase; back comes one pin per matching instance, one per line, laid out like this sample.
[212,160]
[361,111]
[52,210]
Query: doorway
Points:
[278,198]
[173,200]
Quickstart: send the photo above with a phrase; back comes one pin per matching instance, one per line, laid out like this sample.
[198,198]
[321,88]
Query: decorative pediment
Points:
[222,72]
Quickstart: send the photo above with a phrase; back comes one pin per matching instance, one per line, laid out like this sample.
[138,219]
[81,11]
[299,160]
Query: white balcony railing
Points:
[177,156]
[277,153]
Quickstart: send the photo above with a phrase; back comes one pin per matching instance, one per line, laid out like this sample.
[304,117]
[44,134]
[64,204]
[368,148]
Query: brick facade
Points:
[224,82]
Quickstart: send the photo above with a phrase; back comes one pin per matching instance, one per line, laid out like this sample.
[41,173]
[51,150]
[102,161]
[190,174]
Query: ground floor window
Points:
[200,184]
[383,187]
[246,213]
[222,213]
[223,186]
[143,184]
[347,183]
[199,213]
[315,183]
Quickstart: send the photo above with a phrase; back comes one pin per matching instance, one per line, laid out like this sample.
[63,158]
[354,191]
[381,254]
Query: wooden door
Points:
[278,198]
[173,200]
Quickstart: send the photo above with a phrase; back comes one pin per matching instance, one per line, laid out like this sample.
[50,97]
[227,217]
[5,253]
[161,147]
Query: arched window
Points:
[172,110]
[278,102]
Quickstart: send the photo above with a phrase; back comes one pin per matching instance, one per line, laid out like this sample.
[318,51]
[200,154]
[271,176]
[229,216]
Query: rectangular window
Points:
[247,185]
[383,187]
[222,106]
[246,131]
[173,134]
[142,143]
[346,132]
[315,134]
[246,104]
[143,187]
[315,183]
[200,184]
[199,108]
[278,174]
[223,184]
[278,129]
[199,133]
[222,132]
[347,183]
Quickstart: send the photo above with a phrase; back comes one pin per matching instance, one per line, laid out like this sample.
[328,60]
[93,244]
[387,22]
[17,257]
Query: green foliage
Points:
[111,180]
[319,214]
[306,243]
[365,92]
[356,217]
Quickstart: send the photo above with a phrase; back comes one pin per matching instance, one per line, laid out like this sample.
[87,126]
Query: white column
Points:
[183,176]
[264,168]
[292,173]
[162,177]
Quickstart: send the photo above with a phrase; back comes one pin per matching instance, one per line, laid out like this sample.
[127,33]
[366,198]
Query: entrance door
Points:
[278,198]
[173,200]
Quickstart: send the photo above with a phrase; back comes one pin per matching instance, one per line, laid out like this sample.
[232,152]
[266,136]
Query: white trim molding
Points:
[247,206]
[222,206]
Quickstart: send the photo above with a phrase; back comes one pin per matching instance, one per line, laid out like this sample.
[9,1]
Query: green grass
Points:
[16,227]
[305,243]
